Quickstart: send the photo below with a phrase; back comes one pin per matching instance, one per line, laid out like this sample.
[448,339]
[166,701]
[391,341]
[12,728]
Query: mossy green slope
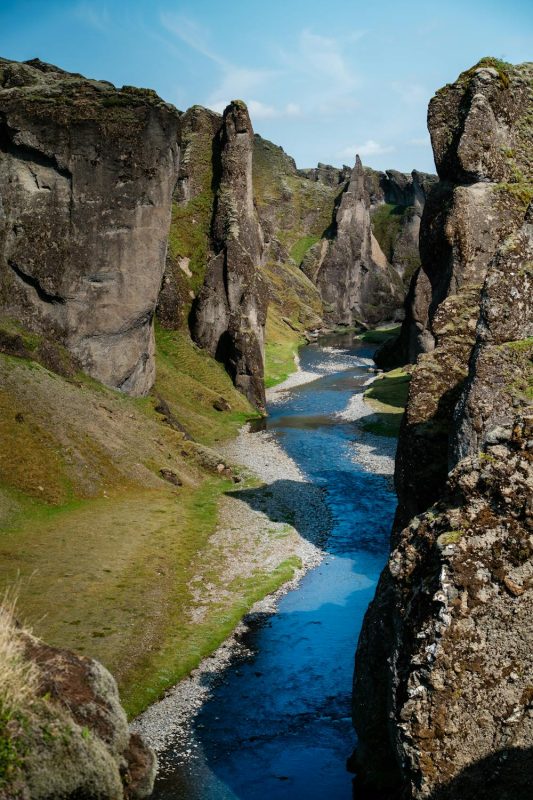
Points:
[295,213]
[102,547]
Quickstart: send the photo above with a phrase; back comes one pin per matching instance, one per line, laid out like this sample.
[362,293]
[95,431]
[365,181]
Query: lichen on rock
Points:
[86,177]
[442,686]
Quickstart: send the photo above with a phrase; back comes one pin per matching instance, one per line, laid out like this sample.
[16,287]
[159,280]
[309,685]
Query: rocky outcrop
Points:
[462,227]
[442,688]
[70,737]
[229,314]
[353,276]
[189,244]
[325,173]
[397,202]
[86,177]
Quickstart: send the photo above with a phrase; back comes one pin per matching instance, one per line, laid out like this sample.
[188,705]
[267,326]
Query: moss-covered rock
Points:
[87,280]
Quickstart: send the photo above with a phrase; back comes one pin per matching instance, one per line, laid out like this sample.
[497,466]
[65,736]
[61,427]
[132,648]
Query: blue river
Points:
[278,725]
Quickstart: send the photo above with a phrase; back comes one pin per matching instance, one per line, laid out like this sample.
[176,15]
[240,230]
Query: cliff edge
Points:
[443,680]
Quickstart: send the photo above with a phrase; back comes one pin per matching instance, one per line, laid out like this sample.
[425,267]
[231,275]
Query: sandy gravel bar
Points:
[254,527]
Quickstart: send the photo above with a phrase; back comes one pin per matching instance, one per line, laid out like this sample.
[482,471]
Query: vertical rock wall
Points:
[356,282]
[442,687]
[86,178]
[229,315]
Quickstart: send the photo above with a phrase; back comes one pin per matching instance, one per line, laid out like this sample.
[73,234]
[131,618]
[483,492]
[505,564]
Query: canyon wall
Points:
[442,687]
[397,202]
[356,282]
[86,177]
[229,314]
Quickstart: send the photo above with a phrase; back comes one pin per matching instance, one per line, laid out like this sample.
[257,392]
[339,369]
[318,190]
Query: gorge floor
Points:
[276,723]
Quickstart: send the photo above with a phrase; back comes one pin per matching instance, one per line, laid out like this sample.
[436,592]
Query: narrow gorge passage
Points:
[278,723]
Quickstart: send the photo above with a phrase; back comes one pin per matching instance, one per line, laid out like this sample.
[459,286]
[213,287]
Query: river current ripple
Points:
[278,724]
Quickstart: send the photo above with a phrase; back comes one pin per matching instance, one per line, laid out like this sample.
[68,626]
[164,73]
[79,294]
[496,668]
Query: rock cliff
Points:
[397,203]
[62,729]
[466,217]
[229,314]
[86,177]
[442,687]
[355,280]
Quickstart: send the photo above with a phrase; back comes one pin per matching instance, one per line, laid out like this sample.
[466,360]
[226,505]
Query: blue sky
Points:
[322,79]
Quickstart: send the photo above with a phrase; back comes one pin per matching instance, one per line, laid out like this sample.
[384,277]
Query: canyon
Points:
[158,270]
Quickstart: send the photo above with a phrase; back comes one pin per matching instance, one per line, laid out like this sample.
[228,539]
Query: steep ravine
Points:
[275,721]
[157,270]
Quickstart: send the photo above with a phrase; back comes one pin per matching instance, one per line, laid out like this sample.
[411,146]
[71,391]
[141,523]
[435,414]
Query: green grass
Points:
[300,248]
[387,396]
[12,748]
[386,225]
[188,643]
[191,381]
[103,551]
[379,335]
[281,347]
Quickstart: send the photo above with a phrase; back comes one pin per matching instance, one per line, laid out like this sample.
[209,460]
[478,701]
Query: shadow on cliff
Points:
[504,775]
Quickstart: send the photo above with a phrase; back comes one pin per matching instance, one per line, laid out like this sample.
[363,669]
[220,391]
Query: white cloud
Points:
[412,94]
[368,148]
[259,110]
[293,110]
[235,82]
[319,64]
[191,34]
[97,18]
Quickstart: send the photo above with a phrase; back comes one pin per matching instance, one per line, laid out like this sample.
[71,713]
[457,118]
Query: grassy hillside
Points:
[295,212]
[387,396]
[107,509]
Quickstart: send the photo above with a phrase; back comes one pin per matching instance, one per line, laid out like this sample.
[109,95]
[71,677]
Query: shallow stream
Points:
[278,724]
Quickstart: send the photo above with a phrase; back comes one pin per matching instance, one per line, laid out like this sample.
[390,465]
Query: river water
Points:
[278,725]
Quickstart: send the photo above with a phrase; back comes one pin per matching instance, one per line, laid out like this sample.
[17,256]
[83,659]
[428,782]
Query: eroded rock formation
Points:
[86,177]
[72,735]
[442,689]
[397,202]
[229,314]
[355,280]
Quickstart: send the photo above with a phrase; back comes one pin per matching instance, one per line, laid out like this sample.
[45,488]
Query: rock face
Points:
[462,227]
[352,274]
[229,314]
[86,177]
[397,203]
[73,733]
[442,688]
[189,243]
[325,173]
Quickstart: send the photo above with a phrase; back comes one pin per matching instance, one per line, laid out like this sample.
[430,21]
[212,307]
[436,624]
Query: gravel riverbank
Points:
[284,518]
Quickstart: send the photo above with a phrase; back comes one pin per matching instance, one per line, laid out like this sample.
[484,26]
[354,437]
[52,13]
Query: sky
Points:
[322,79]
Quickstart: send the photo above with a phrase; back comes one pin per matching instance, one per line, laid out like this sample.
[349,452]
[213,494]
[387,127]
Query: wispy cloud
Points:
[420,141]
[234,81]
[368,148]
[191,33]
[94,17]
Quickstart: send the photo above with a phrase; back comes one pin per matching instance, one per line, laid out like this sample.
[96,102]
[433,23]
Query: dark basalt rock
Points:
[86,177]
[443,666]
[356,282]
[229,314]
